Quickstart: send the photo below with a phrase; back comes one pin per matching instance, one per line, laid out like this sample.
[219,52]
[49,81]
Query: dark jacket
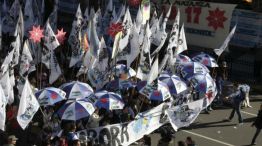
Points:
[258,121]
[237,97]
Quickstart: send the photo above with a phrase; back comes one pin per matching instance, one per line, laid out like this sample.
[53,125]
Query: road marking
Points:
[199,135]
[248,113]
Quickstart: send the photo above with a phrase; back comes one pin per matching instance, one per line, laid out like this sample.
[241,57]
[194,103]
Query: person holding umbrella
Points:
[258,125]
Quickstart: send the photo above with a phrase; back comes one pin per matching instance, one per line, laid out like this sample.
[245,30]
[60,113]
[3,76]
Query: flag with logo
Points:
[26,60]
[74,39]
[7,87]
[28,106]
[55,70]
[185,114]
[50,40]
[3,102]
[182,44]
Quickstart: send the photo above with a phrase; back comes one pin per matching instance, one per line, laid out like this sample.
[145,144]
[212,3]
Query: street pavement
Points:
[211,130]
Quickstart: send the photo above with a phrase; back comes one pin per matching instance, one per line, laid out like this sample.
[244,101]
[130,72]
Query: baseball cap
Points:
[12,137]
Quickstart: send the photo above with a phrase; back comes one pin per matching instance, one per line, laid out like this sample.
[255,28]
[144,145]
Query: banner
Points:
[249,30]
[126,133]
[183,115]
[203,21]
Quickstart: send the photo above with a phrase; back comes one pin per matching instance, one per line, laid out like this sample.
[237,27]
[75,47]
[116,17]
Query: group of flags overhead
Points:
[92,46]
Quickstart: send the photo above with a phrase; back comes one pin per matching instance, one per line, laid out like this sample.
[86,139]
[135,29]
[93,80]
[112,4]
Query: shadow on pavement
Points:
[248,120]
[207,125]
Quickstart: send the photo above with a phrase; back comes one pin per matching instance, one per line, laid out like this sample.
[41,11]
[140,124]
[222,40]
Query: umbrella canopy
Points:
[174,83]
[180,59]
[189,69]
[50,96]
[109,100]
[76,90]
[159,92]
[75,110]
[203,83]
[117,85]
[205,59]
[122,69]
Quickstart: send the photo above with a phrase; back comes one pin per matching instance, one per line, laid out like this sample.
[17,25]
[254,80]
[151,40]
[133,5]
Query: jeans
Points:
[236,108]
[255,136]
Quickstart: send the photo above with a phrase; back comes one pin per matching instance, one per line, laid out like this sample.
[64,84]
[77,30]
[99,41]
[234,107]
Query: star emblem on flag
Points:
[114,29]
[36,34]
[216,18]
[60,36]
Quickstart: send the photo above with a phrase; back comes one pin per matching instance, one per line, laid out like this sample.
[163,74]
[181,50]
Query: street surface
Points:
[211,130]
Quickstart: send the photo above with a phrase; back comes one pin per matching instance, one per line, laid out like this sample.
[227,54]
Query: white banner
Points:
[184,115]
[203,21]
[126,133]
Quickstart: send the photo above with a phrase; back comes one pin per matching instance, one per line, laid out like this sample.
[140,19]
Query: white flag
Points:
[16,47]
[7,87]
[50,40]
[7,62]
[28,106]
[26,59]
[182,44]
[153,72]
[55,69]
[74,39]
[145,59]
[3,102]
[139,18]
[173,40]
[115,49]
[93,38]
[183,115]
[0,31]
[225,44]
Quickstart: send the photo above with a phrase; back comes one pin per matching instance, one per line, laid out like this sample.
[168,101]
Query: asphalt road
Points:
[211,130]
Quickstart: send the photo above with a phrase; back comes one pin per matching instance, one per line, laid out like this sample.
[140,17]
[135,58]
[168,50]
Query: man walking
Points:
[237,98]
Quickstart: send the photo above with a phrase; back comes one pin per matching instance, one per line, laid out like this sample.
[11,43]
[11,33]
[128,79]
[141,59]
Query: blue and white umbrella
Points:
[159,92]
[50,96]
[122,69]
[175,84]
[75,110]
[109,100]
[205,85]
[180,59]
[77,90]
[205,59]
[187,70]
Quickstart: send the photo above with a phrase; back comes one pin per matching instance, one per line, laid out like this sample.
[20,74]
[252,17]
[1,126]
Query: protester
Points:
[190,142]
[258,125]
[237,98]
[246,88]
[11,141]
[181,143]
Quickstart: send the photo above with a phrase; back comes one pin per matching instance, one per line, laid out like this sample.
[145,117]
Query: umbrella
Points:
[123,69]
[75,110]
[205,59]
[117,85]
[203,83]
[180,59]
[159,92]
[76,90]
[206,87]
[189,69]
[109,100]
[50,96]
[174,83]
